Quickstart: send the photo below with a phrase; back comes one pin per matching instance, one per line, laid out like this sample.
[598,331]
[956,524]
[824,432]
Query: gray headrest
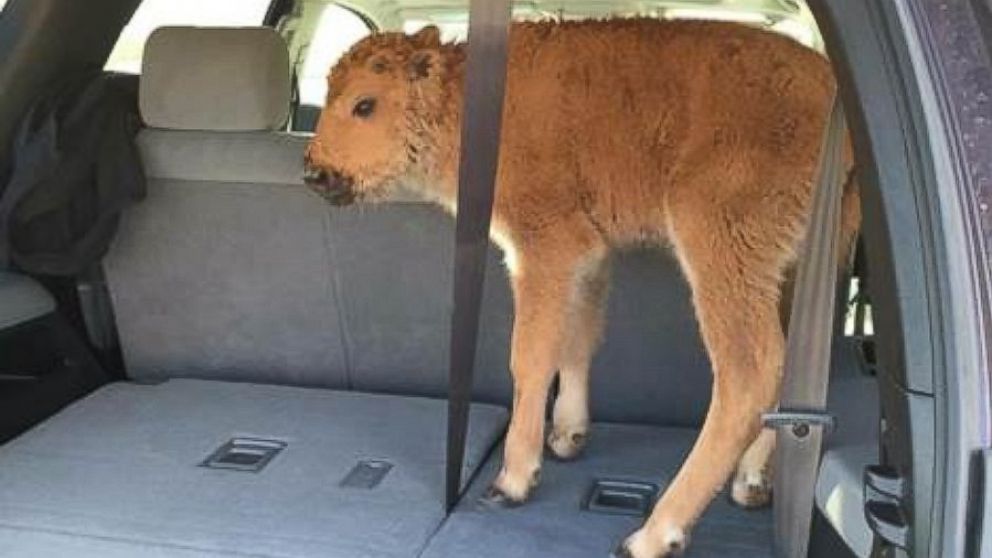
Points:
[226,79]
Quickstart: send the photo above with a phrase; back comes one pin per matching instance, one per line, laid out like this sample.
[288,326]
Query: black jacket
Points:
[75,169]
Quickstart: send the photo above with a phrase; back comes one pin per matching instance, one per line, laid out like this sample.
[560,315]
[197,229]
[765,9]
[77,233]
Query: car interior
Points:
[251,372]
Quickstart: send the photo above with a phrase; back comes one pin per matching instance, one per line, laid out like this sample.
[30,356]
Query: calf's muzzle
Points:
[333,186]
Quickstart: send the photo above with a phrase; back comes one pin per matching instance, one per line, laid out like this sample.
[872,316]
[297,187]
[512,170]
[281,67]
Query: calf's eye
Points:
[364,108]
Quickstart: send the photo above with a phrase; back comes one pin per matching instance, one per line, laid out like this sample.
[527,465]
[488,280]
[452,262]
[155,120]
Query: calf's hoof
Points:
[621,552]
[751,490]
[495,496]
[639,546]
[506,492]
[567,444]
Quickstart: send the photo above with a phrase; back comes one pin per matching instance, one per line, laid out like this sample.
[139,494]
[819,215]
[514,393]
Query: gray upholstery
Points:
[116,474]
[22,299]
[227,280]
[652,367]
[853,399]
[840,493]
[223,272]
[18,543]
[215,79]
[244,157]
[554,525]
[231,269]
[395,266]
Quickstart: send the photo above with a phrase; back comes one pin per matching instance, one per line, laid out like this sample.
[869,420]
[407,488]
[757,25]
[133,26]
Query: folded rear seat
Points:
[122,469]
[223,283]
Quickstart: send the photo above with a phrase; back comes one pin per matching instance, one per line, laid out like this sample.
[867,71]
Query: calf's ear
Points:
[422,64]
[429,36]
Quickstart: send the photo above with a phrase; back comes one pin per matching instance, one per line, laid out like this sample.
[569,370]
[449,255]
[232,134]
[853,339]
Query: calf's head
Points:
[383,96]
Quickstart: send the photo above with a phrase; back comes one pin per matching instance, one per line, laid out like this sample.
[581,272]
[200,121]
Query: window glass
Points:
[800,26]
[337,30]
[152,14]
[452,30]
[454,24]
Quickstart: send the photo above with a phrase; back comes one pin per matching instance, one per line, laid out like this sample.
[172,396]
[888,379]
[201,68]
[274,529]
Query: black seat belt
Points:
[802,417]
[485,82]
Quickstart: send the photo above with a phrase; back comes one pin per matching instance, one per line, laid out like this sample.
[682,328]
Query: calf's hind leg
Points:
[734,284]
[542,292]
[752,485]
[584,328]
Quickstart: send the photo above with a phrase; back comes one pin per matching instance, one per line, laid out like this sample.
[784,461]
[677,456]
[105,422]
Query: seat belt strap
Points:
[485,82]
[802,417]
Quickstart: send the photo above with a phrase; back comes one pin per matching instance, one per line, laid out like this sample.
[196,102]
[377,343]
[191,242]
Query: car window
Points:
[451,30]
[798,25]
[337,29]
[152,14]
[453,22]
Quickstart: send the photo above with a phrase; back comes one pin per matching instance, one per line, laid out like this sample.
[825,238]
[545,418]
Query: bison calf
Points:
[702,137]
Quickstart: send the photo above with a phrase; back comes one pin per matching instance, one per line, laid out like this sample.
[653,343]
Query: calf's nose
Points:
[335,187]
[314,177]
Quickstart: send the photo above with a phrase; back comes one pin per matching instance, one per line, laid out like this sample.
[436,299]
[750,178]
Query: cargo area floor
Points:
[119,473]
[555,523]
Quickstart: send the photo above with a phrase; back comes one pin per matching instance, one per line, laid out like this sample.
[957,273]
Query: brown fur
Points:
[703,137]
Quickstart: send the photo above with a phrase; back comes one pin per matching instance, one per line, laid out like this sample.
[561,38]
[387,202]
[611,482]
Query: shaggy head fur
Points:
[385,102]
